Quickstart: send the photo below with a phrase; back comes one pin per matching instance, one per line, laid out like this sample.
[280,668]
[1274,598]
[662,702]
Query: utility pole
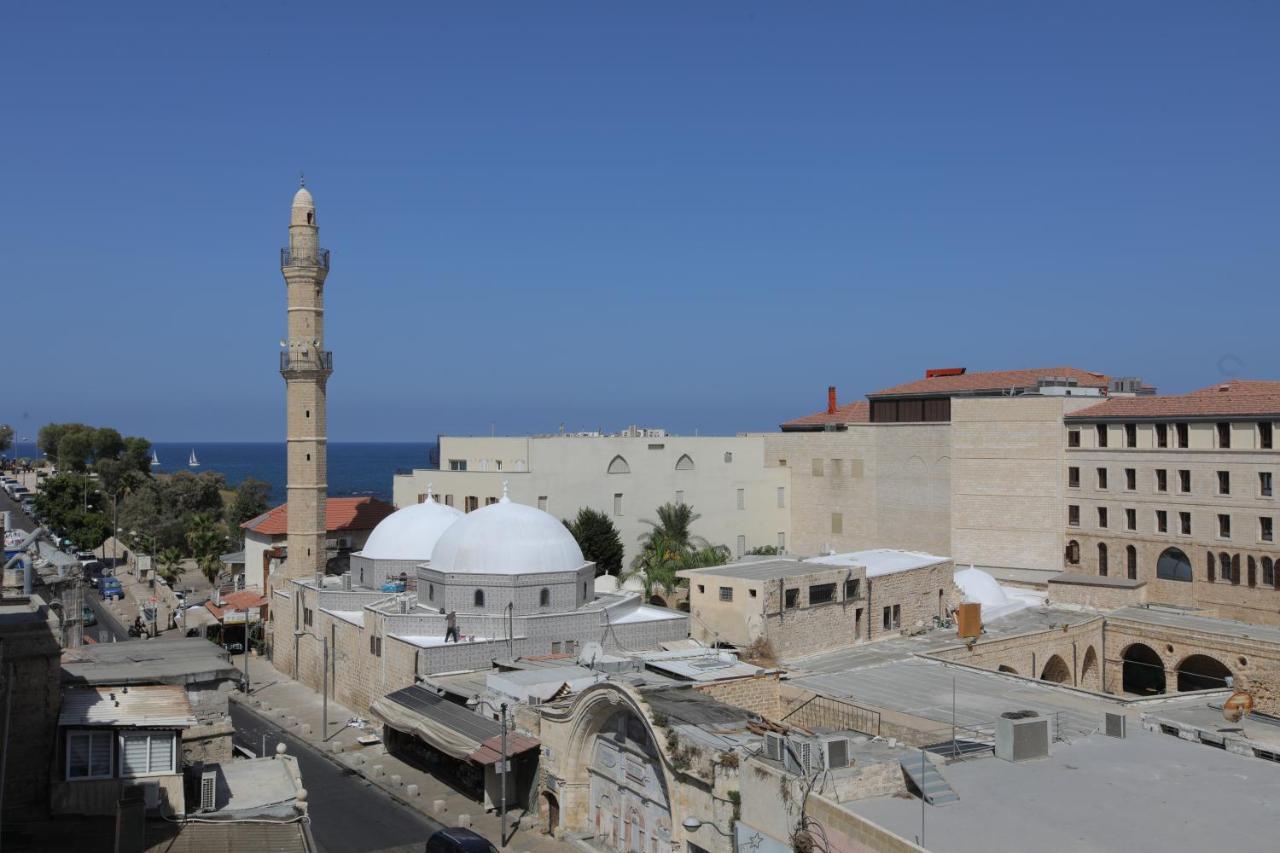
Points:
[246,651]
[324,716]
[502,768]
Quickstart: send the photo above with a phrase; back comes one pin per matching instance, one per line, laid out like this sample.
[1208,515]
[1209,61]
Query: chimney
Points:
[346,580]
[319,580]
[831,399]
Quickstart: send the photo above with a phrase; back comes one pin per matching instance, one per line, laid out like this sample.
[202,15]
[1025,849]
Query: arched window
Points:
[1253,572]
[1235,568]
[1268,572]
[1102,559]
[1173,565]
[1224,565]
[618,465]
[1212,574]
[684,463]
[544,598]
[479,598]
[1131,561]
[1073,552]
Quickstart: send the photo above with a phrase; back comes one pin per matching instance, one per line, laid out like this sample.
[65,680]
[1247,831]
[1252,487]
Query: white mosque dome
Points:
[507,538]
[410,533]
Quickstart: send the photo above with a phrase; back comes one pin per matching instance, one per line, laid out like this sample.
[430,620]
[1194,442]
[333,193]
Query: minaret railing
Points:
[317,258]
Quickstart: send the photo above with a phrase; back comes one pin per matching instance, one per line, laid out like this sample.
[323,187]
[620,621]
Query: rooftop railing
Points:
[318,258]
[306,360]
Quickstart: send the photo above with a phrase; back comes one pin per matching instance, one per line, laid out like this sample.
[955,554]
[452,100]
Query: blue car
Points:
[109,588]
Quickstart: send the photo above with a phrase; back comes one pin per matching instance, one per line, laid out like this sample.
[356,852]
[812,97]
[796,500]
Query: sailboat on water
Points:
[193,462]
[155,460]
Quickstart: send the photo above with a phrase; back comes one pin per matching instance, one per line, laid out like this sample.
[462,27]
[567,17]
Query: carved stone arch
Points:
[684,463]
[618,465]
[1089,678]
[1056,670]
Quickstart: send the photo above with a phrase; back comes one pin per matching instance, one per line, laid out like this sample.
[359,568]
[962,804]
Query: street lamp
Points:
[693,824]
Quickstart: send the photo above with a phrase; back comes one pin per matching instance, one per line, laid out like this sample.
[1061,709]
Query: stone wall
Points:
[1078,591]
[1078,647]
[32,678]
[921,594]
[758,694]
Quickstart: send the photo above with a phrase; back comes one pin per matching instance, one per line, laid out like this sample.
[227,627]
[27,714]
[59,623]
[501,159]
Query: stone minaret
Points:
[305,365]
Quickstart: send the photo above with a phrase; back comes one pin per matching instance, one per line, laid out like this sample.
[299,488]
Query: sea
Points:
[355,468]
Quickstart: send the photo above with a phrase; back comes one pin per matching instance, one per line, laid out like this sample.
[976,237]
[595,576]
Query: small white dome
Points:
[302,198]
[410,533]
[507,538]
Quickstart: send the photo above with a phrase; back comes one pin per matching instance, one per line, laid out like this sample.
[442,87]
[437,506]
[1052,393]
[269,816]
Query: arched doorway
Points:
[1143,671]
[1008,669]
[549,811]
[1201,672]
[1056,670]
[1089,670]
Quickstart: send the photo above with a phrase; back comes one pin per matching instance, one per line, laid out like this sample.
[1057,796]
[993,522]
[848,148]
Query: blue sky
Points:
[695,215]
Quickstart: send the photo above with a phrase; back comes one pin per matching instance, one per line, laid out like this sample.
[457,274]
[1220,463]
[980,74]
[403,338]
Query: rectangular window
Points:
[1102,516]
[852,589]
[1131,479]
[1184,523]
[782,542]
[701,589]
[1102,478]
[782,497]
[1130,435]
[837,522]
[457,464]
[1073,438]
[752,592]
[490,501]
[726,593]
[679,497]
[1073,477]
[1184,435]
[1162,521]
[1162,480]
[728,456]
[1073,515]
[89,754]
[1264,435]
[792,597]
[147,753]
[470,503]
[1265,531]
[1162,435]
[1184,481]
[1224,435]
[1264,483]
[822,593]
[617,503]
[542,502]
[817,467]
[1224,526]
[1102,435]
[1131,519]
[742,545]
[1224,482]
[448,500]
[782,463]
[742,498]
[888,618]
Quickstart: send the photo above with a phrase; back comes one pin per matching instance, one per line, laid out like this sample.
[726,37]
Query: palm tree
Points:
[170,565]
[674,521]
[211,566]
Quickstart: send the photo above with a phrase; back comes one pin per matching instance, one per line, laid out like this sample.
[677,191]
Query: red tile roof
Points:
[1234,398]
[245,599]
[996,380]
[858,412]
[341,514]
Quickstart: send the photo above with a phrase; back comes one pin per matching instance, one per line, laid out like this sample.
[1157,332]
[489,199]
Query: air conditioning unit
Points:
[773,746]
[836,753]
[345,543]
[799,757]
[1114,725]
[1022,736]
[209,790]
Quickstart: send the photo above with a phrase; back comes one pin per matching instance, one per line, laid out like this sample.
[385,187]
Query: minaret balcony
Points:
[317,258]
[306,361]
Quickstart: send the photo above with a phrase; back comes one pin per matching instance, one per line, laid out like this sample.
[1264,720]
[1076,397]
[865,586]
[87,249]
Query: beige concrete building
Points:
[744,503]
[1176,496]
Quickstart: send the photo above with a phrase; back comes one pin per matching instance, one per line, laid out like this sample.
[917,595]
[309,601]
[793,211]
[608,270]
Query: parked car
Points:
[88,616]
[455,839]
[110,587]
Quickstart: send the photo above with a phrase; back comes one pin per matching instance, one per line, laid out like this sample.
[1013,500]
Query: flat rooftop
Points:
[1145,792]
[1169,617]
[178,661]
[753,570]
[881,561]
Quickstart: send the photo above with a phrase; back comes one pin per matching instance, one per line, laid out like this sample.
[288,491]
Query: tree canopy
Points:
[6,438]
[598,539]
[78,447]
[163,507]
[72,505]
[249,501]
[670,545]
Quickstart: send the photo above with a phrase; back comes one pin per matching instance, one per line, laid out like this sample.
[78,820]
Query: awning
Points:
[447,726]
[491,750]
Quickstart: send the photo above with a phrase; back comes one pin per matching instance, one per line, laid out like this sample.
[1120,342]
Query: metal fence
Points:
[319,258]
[825,712]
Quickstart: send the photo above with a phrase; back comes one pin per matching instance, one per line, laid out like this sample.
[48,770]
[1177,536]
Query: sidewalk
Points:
[298,710]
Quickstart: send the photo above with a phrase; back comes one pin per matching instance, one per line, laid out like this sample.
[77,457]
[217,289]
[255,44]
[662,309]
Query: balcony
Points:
[306,360]
[319,259]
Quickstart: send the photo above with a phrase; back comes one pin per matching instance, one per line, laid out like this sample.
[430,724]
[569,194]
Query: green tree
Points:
[673,528]
[6,438]
[670,545]
[204,537]
[250,501]
[598,539]
[70,505]
[78,447]
[163,506]
[169,565]
[211,567]
[764,551]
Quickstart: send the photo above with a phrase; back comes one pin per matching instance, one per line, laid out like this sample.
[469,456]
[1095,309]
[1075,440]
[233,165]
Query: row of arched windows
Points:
[1225,568]
[544,597]
[619,464]
[1172,564]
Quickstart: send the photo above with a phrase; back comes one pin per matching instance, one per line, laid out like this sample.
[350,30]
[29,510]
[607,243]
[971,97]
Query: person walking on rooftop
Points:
[451,627]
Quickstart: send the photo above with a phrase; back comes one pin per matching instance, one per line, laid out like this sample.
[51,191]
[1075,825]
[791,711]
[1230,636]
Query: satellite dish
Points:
[591,652]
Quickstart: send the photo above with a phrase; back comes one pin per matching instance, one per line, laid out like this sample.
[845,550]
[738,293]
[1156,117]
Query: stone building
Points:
[29,648]
[348,523]
[802,607]
[1173,500]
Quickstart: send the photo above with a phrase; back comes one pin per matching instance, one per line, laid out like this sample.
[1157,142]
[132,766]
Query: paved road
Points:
[347,813]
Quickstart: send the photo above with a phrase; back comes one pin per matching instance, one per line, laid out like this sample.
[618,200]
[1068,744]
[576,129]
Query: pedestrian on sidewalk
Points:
[451,627]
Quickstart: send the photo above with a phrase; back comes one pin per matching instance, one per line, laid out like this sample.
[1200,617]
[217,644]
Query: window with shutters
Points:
[1264,483]
[1073,515]
[742,498]
[147,753]
[837,522]
[89,754]
[782,497]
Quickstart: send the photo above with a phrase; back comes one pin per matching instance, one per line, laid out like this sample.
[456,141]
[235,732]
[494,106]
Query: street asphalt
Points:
[347,812]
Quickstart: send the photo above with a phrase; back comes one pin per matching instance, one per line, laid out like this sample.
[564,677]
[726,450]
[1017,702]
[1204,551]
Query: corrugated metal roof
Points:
[227,837]
[422,701]
[143,706]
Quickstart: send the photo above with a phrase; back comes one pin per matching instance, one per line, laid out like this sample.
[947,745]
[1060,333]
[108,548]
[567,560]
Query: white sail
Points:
[155,460]
[193,461]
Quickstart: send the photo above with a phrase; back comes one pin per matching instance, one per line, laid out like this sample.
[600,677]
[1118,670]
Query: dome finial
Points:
[505,499]
[302,179]
[429,491]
